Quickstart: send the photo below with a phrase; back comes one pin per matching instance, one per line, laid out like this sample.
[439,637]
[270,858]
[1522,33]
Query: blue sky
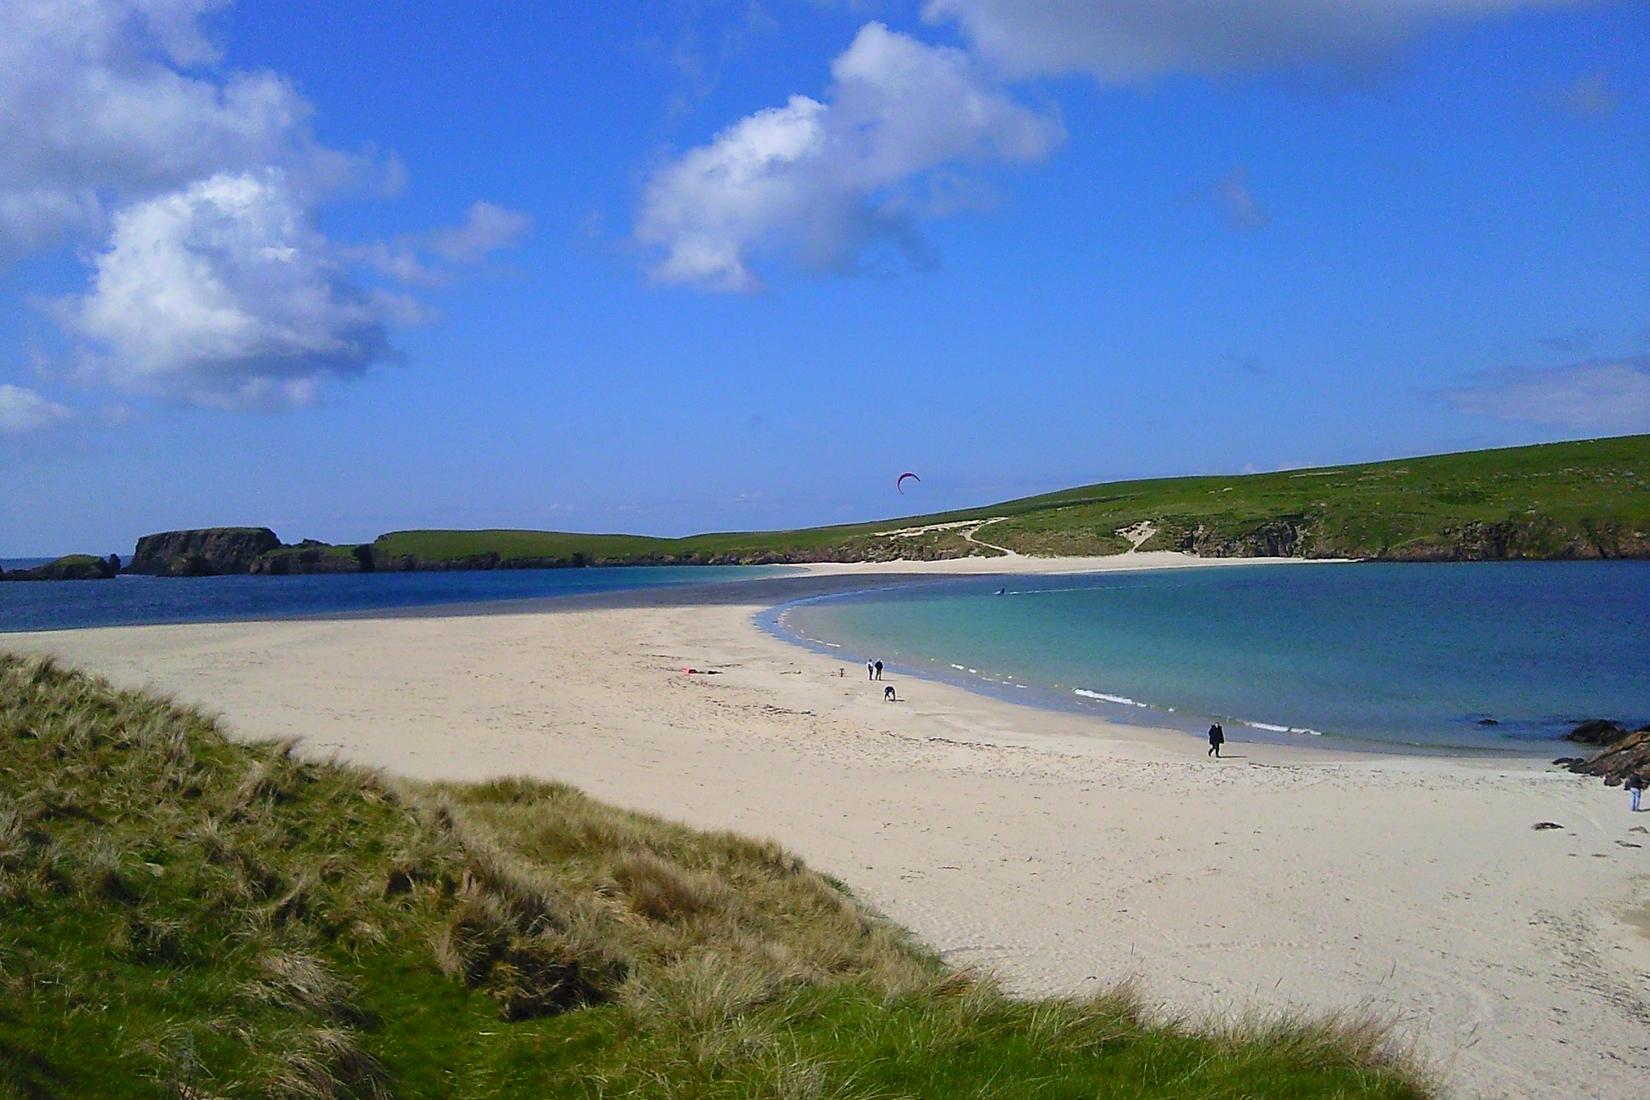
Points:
[344,268]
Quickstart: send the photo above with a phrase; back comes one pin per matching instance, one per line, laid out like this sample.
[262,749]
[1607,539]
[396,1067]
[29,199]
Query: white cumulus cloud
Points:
[817,181]
[103,101]
[23,410]
[1126,41]
[223,294]
[211,284]
[1604,395]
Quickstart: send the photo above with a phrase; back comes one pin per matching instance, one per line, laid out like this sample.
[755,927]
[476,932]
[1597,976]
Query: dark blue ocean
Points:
[1416,655]
[130,600]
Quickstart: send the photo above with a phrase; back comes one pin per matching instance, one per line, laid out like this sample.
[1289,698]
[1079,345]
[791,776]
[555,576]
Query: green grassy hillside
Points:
[1584,499]
[1562,500]
[186,917]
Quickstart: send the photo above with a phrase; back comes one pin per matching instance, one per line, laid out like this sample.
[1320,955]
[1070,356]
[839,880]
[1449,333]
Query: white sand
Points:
[1059,851]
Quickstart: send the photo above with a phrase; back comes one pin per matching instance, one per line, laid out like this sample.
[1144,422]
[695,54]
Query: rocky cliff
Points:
[1307,536]
[204,552]
[311,556]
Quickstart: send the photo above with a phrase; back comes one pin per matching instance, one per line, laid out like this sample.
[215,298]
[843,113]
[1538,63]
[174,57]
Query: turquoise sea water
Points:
[1416,655]
[129,600]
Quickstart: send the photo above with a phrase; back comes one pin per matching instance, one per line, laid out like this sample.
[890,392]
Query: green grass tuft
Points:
[185,916]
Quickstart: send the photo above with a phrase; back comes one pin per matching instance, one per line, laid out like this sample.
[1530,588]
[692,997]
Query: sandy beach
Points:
[1061,852]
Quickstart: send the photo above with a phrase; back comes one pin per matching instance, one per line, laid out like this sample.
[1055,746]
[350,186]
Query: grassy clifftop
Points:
[1562,500]
[188,917]
[1586,499]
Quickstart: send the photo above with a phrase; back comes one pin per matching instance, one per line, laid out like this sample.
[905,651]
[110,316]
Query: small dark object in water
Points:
[1488,722]
[1568,759]
[1546,825]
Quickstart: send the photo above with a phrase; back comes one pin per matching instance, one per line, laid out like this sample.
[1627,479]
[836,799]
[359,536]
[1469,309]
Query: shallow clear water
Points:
[1399,654]
[127,600]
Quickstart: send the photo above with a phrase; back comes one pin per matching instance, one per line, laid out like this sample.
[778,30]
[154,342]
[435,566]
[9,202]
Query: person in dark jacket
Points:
[1217,738]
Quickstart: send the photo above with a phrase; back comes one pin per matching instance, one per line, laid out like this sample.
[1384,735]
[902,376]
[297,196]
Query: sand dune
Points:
[1060,851]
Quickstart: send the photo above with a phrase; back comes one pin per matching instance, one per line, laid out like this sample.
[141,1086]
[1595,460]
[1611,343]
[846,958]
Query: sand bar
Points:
[1055,849]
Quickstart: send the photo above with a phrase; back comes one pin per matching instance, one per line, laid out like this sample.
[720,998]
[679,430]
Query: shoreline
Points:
[1060,851]
[1109,711]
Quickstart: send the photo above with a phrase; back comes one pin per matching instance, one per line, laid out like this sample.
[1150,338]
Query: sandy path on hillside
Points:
[1055,849]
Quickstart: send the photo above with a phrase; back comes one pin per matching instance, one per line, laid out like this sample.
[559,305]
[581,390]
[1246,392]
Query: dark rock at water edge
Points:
[204,552]
[1624,761]
[1596,731]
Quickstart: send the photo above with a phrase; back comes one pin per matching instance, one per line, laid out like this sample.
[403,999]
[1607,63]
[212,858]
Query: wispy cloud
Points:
[429,258]
[1130,41]
[1578,341]
[1604,395]
[1232,192]
[24,410]
[1589,96]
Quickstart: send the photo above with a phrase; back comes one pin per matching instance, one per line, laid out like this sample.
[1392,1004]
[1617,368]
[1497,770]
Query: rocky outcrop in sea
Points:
[203,552]
[74,567]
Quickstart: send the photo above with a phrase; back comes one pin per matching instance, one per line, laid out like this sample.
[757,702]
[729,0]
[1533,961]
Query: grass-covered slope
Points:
[182,916]
[1561,500]
[1586,499]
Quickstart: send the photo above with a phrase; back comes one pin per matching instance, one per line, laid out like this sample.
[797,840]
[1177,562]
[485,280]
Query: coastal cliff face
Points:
[310,556]
[1532,539]
[204,552]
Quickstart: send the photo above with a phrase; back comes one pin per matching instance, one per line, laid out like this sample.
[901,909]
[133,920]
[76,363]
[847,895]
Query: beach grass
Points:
[182,915]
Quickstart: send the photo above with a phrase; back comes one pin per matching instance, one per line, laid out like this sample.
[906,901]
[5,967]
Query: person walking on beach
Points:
[1217,738]
[870,669]
[1635,791]
[879,668]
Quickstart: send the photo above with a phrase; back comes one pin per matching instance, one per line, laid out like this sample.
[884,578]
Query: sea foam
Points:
[1269,727]
[1103,697]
